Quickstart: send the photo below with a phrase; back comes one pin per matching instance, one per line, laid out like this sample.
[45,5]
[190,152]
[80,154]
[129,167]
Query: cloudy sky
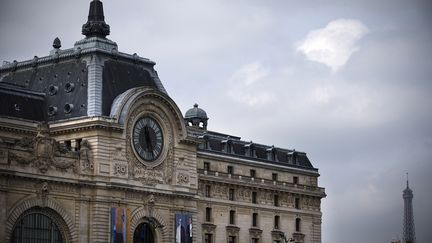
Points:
[348,82]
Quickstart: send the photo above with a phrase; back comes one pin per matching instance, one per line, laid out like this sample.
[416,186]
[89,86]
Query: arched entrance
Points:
[40,225]
[144,233]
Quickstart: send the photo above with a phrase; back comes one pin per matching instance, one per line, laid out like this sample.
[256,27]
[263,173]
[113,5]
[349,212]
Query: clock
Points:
[147,139]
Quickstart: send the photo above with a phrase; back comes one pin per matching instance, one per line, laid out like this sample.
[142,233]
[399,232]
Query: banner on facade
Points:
[120,225]
[183,228]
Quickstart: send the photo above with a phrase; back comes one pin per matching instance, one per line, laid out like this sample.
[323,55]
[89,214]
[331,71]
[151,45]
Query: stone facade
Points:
[75,169]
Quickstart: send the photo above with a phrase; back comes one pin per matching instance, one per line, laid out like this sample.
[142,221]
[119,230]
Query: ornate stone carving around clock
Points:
[149,139]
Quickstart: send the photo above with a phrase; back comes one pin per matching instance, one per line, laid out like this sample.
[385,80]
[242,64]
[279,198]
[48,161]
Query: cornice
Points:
[85,124]
[300,189]
[96,184]
[254,162]
[18,125]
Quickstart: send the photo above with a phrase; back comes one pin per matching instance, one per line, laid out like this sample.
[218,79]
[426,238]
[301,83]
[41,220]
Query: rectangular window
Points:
[68,144]
[297,226]
[208,214]
[207,190]
[254,197]
[255,240]
[230,170]
[207,166]
[295,180]
[255,220]
[252,173]
[297,203]
[274,176]
[276,200]
[232,217]
[78,144]
[231,194]
[276,222]
[231,239]
[208,238]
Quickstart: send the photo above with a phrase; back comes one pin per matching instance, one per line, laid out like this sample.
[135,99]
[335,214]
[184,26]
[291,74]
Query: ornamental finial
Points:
[96,26]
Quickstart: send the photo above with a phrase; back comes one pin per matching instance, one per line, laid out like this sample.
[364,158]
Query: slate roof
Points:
[76,82]
[223,144]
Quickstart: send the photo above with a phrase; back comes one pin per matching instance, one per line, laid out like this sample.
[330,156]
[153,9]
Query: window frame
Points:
[206,166]
[275,176]
[297,203]
[254,196]
[231,194]
[276,200]
[255,220]
[252,173]
[276,223]
[208,214]
[230,170]
[232,220]
[298,225]
[207,191]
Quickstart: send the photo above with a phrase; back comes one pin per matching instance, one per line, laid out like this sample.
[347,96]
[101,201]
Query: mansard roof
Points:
[77,82]
[224,144]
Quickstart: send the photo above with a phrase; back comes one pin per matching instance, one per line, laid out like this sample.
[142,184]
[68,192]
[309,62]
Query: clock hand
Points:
[148,139]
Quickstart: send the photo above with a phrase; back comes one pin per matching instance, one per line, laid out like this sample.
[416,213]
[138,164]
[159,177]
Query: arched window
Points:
[36,226]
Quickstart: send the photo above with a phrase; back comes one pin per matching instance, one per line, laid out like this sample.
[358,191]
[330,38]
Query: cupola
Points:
[196,117]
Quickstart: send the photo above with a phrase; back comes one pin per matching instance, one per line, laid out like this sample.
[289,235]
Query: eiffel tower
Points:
[408,221]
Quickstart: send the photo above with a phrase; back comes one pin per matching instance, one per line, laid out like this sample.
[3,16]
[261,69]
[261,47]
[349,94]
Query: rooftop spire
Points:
[407,180]
[96,26]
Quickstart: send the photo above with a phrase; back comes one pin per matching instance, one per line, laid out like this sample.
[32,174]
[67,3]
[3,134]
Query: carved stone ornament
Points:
[243,194]
[161,170]
[44,152]
[86,158]
[43,189]
[277,235]
[208,228]
[151,203]
[151,199]
[232,230]
[255,233]
[298,237]
[182,178]
[120,169]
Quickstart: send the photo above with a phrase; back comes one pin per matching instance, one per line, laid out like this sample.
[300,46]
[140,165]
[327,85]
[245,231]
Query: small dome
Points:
[196,117]
[196,112]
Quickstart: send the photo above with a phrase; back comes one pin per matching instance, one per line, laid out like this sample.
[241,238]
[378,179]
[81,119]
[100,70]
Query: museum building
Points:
[93,149]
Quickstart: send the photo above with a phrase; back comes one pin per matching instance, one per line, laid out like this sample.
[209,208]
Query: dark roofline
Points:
[221,135]
[71,54]
[238,156]
[237,140]
[17,90]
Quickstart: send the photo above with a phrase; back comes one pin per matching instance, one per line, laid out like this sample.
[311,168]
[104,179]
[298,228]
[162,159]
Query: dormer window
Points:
[227,146]
[272,154]
[292,157]
[250,150]
[206,143]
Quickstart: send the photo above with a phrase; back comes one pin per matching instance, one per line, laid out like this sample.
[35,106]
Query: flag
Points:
[190,227]
[178,232]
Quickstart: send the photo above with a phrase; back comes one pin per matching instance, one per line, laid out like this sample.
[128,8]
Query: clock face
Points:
[147,139]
